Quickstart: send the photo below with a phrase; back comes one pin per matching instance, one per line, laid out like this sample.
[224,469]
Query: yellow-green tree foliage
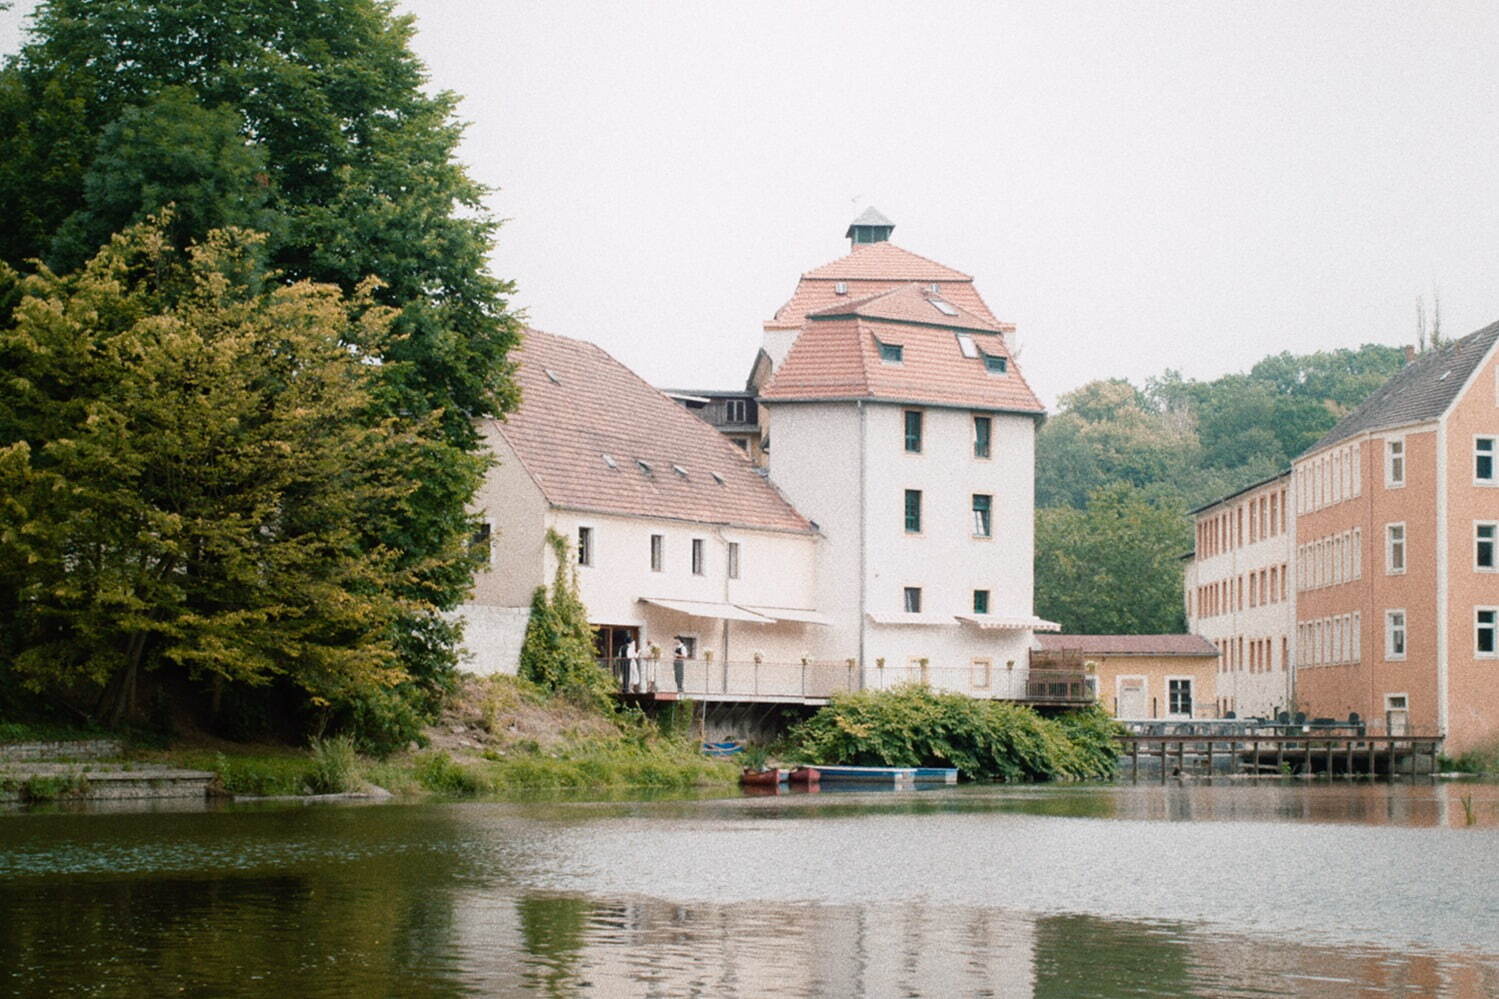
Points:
[191,457]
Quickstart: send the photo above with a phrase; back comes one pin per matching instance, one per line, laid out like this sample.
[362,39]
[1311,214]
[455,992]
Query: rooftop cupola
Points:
[870,227]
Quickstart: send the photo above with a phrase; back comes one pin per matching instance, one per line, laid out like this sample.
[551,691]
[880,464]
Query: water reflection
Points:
[1237,890]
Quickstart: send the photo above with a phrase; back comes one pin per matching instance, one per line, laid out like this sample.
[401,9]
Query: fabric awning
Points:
[704,608]
[902,618]
[790,614]
[990,623]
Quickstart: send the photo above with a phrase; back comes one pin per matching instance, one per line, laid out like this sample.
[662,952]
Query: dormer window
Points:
[891,353]
[840,288]
[995,364]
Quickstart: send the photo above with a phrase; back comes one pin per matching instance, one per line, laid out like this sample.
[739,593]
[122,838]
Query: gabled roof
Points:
[1422,390]
[1128,645]
[910,303]
[838,357]
[578,404]
[884,261]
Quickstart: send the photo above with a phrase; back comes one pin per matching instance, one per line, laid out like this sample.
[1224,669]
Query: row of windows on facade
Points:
[1337,476]
[915,427]
[1253,520]
[1250,655]
[1255,589]
[1339,559]
[981,507]
[1337,640]
[1336,559]
[911,600]
[697,562]
[995,364]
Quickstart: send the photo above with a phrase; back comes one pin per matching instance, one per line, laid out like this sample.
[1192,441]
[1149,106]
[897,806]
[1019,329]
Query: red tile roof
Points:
[910,303]
[838,357]
[596,407]
[873,268]
[1128,645]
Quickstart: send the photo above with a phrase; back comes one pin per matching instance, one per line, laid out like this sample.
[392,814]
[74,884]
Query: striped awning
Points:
[994,623]
[704,608]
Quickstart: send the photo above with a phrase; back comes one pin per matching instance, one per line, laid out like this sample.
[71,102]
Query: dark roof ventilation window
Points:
[552,376]
[679,470]
[645,466]
[995,364]
[718,478]
[609,460]
[891,353]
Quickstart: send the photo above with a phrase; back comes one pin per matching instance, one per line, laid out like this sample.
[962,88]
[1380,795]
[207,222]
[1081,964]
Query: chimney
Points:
[1410,353]
[870,227]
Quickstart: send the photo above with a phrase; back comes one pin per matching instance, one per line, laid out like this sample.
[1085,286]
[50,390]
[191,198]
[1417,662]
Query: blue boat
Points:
[867,775]
[936,775]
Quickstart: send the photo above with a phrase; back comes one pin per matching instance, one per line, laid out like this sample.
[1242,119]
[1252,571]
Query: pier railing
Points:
[814,680]
[1308,751]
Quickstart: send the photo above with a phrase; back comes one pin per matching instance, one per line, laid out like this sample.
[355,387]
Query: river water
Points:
[1224,889]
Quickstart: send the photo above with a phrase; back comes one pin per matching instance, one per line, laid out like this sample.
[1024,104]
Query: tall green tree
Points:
[199,450]
[558,652]
[309,122]
[1114,567]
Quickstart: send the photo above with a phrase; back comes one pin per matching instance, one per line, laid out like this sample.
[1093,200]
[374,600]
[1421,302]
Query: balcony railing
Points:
[770,680]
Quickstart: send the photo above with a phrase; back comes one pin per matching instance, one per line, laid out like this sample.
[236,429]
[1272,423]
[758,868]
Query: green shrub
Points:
[333,765]
[254,775]
[441,774]
[914,726]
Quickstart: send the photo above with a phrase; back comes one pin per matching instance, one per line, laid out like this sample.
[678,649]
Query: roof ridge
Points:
[866,248]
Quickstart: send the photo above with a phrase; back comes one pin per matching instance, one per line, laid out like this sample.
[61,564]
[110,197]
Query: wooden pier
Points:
[1349,753]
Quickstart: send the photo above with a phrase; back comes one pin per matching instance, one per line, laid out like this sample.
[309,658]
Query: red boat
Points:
[762,778]
[806,775]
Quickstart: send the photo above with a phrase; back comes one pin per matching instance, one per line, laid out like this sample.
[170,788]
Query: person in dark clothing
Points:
[679,663]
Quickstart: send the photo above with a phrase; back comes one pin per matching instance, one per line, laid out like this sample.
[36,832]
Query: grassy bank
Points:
[498,735]
[986,740]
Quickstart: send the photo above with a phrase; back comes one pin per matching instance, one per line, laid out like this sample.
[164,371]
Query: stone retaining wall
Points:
[92,749]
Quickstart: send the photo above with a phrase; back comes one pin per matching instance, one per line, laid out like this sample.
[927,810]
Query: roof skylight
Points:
[943,307]
[552,376]
[967,346]
[679,470]
[717,478]
[645,466]
[609,460]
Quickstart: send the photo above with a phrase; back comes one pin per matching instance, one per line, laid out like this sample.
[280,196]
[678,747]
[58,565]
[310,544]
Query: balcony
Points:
[815,682]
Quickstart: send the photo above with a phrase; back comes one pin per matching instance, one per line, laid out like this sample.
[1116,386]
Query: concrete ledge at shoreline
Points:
[23,782]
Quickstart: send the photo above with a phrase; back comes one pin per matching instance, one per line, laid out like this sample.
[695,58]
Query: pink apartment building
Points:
[1395,576]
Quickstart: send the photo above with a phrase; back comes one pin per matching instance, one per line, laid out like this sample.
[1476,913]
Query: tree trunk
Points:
[125,696]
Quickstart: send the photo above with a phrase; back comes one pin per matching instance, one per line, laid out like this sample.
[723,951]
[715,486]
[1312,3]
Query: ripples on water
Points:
[1240,890]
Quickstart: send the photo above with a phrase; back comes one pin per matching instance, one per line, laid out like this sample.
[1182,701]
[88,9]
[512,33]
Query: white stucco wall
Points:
[853,485]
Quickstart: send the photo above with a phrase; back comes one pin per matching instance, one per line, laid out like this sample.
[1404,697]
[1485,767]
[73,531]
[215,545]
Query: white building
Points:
[675,534]
[892,541]
[1239,595]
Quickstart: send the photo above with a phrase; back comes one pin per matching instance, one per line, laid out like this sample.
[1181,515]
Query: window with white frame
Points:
[1485,534]
[983,523]
[658,552]
[733,560]
[1394,468]
[585,546]
[697,556]
[1483,461]
[983,431]
[913,599]
[1485,623]
[736,410]
[1394,549]
[1394,634]
[1179,696]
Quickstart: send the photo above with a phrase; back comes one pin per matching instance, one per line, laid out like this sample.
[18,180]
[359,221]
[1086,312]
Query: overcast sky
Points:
[1138,187]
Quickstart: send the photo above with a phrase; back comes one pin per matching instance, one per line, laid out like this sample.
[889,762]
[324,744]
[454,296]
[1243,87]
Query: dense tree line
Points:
[307,125]
[1118,467]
